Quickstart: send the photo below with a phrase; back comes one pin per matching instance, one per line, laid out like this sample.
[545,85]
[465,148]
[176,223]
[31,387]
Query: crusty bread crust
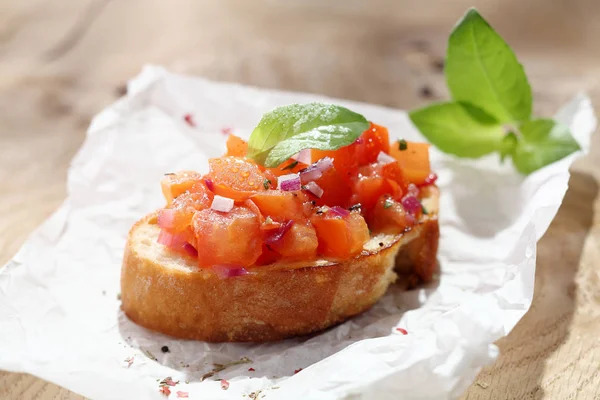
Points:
[166,292]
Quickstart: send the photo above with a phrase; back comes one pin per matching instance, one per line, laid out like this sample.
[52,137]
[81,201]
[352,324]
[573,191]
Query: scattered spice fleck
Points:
[119,296]
[150,355]
[104,293]
[168,381]
[129,361]
[424,210]
[438,64]
[298,370]
[187,382]
[402,145]
[388,203]
[220,367]
[380,244]
[314,203]
[169,173]
[224,384]
[482,385]
[291,165]
[402,331]
[182,395]
[426,92]
[121,90]
[165,390]
[355,207]
[189,120]
[266,183]
[164,349]
[251,369]
[275,387]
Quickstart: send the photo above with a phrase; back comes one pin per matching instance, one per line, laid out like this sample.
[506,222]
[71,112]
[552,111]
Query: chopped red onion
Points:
[315,171]
[413,190]
[303,156]
[166,218]
[430,180]
[384,158]
[222,204]
[411,204]
[224,271]
[276,235]
[324,163]
[209,184]
[314,189]
[289,182]
[309,174]
[339,211]
[190,250]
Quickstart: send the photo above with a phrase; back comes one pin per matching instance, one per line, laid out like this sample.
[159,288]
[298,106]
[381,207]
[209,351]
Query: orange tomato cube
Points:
[340,237]
[173,185]
[236,146]
[235,178]
[414,161]
[232,238]
[373,141]
[388,216]
[299,242]
[279,205]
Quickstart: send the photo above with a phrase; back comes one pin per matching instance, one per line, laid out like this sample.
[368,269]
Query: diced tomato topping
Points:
[299,242]
[376,180]
[279,205]
[173,185]
[393,173]
[178,216]
[340,237]
[344,160]
[414,161]
[373,141]
[236,146]
[267,225]
[336,191]
[252,207]
[235,178]
[388,216]
[227,238]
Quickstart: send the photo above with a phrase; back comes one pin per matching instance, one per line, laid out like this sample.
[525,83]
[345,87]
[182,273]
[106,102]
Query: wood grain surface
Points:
[62,61]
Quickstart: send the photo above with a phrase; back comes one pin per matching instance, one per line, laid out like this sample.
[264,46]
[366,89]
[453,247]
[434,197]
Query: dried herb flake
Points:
[290,166]
[402,145]
[220,367]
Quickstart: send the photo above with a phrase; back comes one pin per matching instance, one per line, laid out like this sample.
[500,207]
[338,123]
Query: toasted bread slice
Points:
[167,292]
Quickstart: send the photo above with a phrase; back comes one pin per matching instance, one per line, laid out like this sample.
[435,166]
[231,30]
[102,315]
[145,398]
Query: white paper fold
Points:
[60,316]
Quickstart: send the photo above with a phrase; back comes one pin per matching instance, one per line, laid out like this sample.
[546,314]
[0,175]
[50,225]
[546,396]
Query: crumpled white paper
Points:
[60,316]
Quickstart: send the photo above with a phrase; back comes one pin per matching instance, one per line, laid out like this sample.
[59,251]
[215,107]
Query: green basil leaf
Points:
[459,129]
[286,130]
[482,70]
[542,142]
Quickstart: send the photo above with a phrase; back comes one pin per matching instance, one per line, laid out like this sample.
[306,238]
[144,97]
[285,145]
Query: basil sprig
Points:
[492,103]
[287,130]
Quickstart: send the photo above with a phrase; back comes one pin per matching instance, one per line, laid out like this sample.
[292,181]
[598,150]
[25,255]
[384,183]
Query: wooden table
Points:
[62,61]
